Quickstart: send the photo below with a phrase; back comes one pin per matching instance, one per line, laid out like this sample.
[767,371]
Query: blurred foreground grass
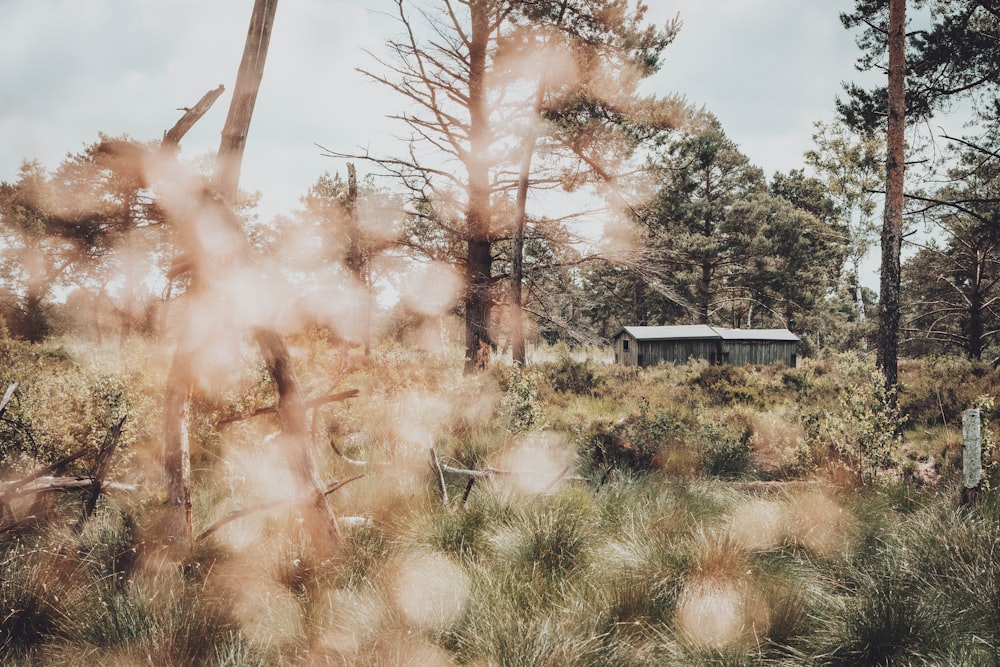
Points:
[677,516]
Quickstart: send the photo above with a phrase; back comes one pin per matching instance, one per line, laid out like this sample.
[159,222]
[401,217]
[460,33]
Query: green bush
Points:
[725,384]
[571,376]
[936,390]
[724,446]
[520,406]
[637,442]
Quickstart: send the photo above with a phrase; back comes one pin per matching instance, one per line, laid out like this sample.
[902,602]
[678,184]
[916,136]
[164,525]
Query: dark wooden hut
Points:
[648,346]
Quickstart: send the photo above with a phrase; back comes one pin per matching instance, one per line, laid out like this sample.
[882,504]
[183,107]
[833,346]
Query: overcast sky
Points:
[71,68]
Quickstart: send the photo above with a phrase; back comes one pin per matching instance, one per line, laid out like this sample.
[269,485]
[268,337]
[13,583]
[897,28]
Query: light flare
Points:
[819,523]
[430,590]
[711,612]
[432,289]
[758,525]
[538,462]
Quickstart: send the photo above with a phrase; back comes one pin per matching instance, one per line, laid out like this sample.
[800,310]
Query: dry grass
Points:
[648,560]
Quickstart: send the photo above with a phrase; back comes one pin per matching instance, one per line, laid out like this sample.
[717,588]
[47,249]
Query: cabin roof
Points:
[703,331]
[757,334]
[669,333]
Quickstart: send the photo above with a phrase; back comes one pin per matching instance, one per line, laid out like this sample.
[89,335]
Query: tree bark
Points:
[479,259]
[976,325]
[320,522]
[237,127]
[101,467]
[892,226]
[177,447]
[518,353]
[358,260]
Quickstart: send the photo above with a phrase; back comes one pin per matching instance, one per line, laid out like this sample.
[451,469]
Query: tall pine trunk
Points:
[479,258]
[977,327]
[518,352]
[704,293]
[892,226]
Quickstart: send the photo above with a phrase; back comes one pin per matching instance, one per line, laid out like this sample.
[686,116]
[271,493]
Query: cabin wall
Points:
[632,352]
[677,351]
[759,352]
[626,350]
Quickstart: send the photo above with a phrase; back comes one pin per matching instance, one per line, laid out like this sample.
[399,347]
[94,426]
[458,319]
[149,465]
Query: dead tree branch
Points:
[46,484]
[311,403]
[172,137]
[13,486]
[102,465]
[7,395]
[263,507]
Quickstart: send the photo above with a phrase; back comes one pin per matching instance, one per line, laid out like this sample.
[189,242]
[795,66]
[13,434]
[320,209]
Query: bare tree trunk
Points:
[859,302]
[129,288]
[176,401]
[976,325]
[177,449]
[234,133]
[320,522]
[518,353]
[357,259]
[479,262]
[859,295]
[176,443]
[892,226]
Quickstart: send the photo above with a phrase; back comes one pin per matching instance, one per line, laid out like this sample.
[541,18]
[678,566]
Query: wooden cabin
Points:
[649,346]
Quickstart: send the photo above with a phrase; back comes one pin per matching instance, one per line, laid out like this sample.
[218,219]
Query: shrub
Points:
[936,390]
[520,406]
[638,443]
[779,444]
[570,376]
[724,446]
[59,409]
[865,428]
[725,384]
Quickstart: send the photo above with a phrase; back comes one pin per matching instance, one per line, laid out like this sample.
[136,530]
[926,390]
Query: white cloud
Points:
[767,68]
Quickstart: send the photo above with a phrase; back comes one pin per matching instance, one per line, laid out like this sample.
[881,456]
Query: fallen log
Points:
[41,472]
[48,484]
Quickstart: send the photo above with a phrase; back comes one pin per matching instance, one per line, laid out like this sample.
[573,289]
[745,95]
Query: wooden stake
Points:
[972,456]
[439,474]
